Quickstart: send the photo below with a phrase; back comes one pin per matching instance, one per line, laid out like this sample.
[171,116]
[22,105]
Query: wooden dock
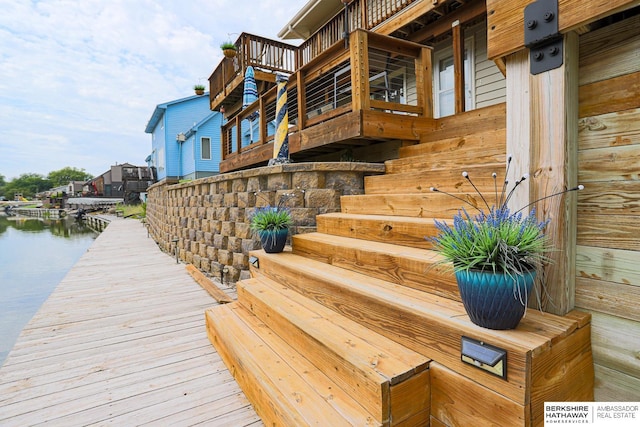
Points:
[121,341]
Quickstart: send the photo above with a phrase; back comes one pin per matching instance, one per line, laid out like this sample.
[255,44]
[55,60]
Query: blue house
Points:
[185,139]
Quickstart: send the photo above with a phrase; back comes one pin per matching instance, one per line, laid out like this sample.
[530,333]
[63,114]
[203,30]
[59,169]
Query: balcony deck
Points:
[379,89]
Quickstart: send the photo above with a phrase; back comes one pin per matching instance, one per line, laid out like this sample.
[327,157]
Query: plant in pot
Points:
[199,89]
[495,254]
[228,49]
[272,223]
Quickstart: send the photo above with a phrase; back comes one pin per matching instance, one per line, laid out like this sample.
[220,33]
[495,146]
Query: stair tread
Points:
[535,330]
[364,345]
[359,360]
[283,386]
[424,322]
[417,268]
[418,254]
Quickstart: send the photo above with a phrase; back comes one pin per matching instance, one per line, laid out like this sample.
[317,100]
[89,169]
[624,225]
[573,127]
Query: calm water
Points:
[35,255]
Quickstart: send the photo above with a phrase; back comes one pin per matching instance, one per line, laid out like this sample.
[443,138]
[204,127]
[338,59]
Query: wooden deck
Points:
[121,341]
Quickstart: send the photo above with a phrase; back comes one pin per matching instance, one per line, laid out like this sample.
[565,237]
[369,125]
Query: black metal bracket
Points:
[542,37]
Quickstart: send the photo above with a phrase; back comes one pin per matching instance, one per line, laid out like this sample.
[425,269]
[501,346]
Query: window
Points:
[205,148]
[444,95]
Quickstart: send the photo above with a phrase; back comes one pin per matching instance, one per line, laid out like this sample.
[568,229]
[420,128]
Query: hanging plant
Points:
[229,49]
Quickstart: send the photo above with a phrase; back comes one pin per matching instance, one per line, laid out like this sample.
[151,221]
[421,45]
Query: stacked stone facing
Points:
[209,218]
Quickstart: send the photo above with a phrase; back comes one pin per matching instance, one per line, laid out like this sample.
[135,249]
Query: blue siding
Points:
[172,118]
[209,129]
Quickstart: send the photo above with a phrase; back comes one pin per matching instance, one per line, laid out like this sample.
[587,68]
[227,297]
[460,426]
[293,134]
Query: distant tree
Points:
[3,183]
[28,184]
[66,175]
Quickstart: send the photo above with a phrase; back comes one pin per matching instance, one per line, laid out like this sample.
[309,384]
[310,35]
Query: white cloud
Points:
[79,80]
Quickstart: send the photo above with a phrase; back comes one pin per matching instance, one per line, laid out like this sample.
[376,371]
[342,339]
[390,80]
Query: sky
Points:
[79,79]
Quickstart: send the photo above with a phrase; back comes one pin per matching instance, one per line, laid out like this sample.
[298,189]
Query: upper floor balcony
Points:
[266,56]
[377,89]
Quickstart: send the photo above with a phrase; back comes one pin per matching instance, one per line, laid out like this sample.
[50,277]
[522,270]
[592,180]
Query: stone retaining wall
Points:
[208,219]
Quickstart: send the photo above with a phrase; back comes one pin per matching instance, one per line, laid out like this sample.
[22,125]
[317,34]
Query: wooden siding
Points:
[490,84]
[608,251]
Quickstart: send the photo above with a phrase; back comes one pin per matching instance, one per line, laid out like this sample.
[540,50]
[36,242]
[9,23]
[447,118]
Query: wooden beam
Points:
[458,67]
[505,20]
[463,14]
[208,285]
[542,128]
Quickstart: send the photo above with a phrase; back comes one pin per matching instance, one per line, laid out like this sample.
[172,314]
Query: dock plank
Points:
[122,341]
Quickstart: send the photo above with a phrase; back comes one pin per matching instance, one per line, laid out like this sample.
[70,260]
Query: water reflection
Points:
[67,227]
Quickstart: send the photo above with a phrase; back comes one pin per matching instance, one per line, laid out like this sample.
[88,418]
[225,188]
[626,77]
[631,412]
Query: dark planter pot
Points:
[495,300]
[273,241]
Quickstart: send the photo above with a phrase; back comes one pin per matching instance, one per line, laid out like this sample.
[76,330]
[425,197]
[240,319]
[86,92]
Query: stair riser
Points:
[450,180]
[428,332]
[430,205]
[405,271]
[449,161]
[373,394]
[492,139]
[385,230]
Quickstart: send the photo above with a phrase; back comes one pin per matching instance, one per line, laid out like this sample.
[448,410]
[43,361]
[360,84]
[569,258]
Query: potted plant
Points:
[272,225]
[229,49]
[199,89]
[495,256]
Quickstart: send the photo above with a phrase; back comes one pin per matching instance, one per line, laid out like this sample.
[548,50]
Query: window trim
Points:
[202,138]
[447,52]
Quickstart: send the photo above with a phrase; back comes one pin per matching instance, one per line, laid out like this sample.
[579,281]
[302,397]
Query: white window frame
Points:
[202,157]
[469,74]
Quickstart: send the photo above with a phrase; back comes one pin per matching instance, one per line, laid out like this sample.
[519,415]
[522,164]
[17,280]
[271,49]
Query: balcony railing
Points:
[377,73]
[274,56]
[265,55]
[364,14]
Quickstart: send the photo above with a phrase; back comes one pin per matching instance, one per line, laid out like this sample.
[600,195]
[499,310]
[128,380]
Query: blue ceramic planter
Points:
[273,241]
[494,300]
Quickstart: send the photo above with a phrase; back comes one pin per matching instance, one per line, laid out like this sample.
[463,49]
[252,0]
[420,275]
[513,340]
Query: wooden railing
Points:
[362,14]
[389,74]
[276,56]
[256,51]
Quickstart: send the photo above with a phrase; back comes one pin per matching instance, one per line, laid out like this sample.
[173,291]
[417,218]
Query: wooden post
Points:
[424,82]
[458,67]
[359,49]
[542,127]
[302,100]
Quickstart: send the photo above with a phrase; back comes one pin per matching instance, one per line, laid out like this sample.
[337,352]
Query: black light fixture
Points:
[345,34]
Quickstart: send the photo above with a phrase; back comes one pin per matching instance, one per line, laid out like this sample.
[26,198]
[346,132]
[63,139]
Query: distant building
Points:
[124,181]
[185,139]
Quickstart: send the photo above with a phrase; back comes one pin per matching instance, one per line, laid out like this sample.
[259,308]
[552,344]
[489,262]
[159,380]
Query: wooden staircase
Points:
[354,325]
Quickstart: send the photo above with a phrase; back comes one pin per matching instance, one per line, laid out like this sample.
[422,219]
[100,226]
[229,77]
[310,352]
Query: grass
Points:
[132,211]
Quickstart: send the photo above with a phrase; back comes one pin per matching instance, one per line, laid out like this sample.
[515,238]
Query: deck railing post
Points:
[359,70]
